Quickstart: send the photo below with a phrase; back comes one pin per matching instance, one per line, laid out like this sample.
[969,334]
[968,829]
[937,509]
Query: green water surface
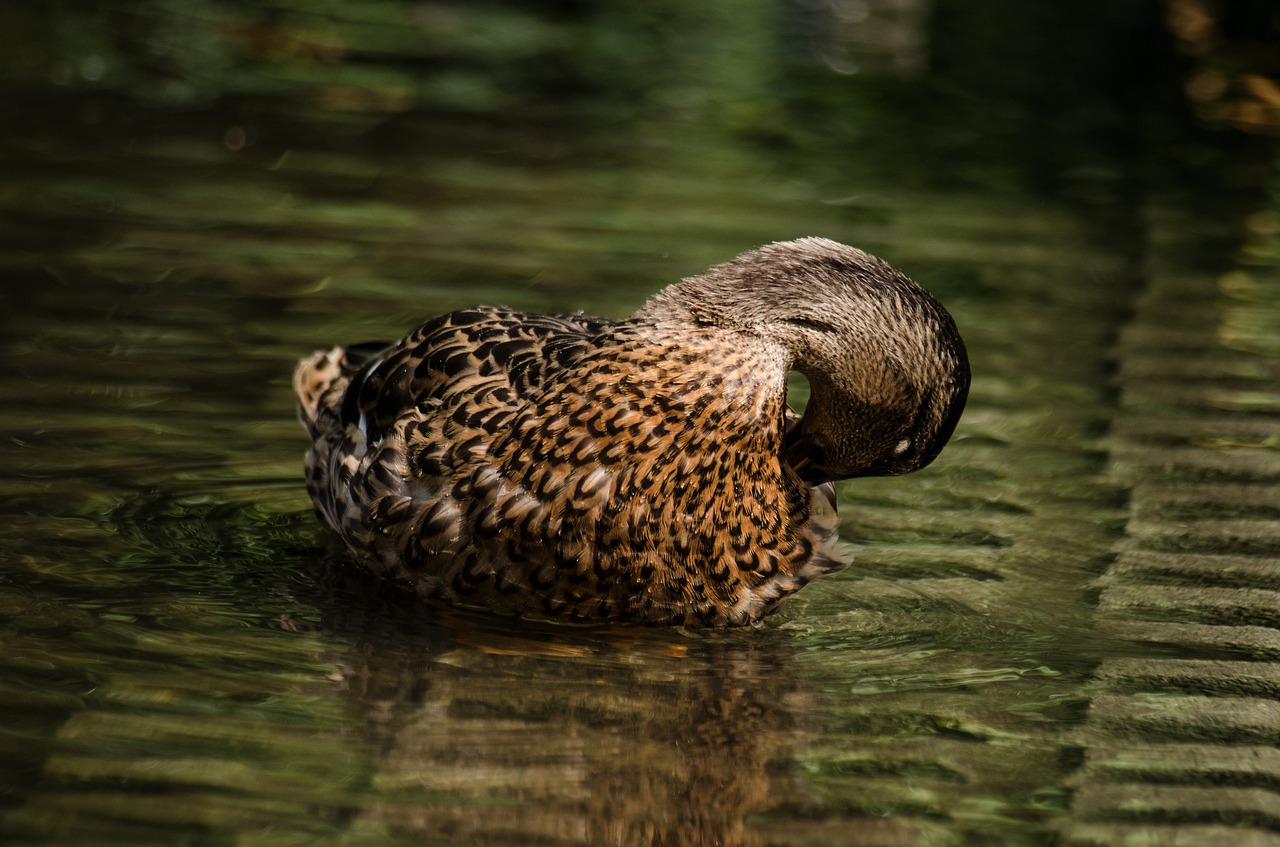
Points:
[199,193]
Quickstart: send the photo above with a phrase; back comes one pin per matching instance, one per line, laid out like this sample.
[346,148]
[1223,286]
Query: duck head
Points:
[887,370]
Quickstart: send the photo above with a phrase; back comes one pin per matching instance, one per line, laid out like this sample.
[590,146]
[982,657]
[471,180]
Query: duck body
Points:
[645,470]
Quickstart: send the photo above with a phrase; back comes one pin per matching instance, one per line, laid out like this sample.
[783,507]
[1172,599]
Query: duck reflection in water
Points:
[486,731]
[645,470]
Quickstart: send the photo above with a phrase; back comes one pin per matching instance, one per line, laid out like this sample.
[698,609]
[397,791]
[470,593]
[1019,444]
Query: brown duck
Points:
[645,470]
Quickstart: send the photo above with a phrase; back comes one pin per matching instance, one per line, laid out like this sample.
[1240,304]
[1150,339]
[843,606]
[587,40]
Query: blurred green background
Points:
[1062,632]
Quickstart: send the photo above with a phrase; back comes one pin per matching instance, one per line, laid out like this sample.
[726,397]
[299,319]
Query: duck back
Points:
[567,467]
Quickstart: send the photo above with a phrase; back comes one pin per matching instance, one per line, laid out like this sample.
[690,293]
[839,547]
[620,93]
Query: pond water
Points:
[1063,631]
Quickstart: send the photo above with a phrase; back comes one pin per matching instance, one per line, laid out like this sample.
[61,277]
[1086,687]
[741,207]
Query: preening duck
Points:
[645,470]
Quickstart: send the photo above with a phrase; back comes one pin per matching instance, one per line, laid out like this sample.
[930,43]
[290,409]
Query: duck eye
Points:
[811,323]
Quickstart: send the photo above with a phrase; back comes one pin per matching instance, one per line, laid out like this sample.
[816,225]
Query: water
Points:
[1061,632]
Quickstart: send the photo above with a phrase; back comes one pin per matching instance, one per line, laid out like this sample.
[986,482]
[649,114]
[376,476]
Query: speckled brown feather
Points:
[570,467]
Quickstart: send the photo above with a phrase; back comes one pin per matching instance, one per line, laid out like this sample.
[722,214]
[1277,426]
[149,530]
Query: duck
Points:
[647,470]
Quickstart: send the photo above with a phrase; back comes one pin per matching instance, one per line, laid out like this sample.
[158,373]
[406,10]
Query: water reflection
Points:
[492,731]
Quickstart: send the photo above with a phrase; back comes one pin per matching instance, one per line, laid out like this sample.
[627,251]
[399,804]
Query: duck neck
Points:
[739,378]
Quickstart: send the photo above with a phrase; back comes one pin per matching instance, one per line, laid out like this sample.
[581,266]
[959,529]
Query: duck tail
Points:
[314,379]
[321,379]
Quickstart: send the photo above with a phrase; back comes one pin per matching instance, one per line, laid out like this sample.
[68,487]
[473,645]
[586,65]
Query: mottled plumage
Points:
[644,470]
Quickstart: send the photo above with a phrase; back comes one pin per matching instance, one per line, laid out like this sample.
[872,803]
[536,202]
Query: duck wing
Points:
[391,424]
[462,354]
[372,385]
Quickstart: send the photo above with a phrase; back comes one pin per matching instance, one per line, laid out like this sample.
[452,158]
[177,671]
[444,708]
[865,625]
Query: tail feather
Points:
[313,379]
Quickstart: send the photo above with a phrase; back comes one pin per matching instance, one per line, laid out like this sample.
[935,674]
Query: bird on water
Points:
[645,470]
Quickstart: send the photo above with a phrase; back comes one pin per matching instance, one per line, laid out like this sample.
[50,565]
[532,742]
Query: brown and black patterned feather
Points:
[644,470]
